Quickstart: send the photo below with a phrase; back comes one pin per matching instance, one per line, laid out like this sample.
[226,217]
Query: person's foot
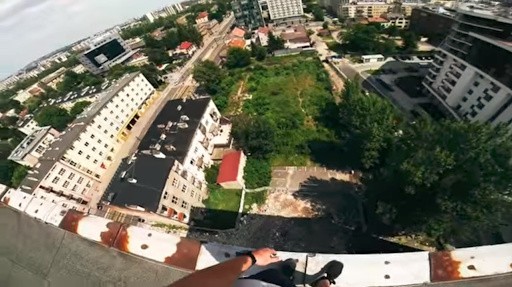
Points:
[331,271]
[288,267]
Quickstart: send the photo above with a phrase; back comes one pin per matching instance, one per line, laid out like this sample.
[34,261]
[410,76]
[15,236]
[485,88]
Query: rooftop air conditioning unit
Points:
[184,118]
[183,125]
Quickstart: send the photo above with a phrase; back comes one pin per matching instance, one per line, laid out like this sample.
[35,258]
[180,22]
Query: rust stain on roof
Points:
[108,237]
[71,220]
[444,267]
[187,251]
[6,200]
[122,239]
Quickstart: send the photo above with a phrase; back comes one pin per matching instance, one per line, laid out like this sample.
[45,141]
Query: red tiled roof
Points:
[185,45]
[202,15]
[237,43]
[263,30]
[238,32]
[229,167]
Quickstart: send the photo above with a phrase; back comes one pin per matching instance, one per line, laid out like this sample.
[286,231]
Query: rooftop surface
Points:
[28,143]
[167,140]
[38,254]
[229,167]
[83,93]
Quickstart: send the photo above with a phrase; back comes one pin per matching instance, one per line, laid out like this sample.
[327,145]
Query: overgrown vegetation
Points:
[257,173]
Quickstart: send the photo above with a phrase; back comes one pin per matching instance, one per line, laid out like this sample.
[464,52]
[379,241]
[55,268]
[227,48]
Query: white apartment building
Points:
[470,78]
[32,147]
[280,9]
[28,126]
[166,176]
[69,171]
[372,8]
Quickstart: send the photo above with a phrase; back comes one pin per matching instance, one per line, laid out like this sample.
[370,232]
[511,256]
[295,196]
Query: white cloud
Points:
[14,9]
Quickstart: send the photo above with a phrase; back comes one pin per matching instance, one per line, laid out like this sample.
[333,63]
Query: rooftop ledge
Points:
[487,265]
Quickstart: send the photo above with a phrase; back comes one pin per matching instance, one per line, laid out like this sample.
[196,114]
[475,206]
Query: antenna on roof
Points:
[179,108]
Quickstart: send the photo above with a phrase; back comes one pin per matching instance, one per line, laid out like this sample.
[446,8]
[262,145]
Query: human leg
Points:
[330,271]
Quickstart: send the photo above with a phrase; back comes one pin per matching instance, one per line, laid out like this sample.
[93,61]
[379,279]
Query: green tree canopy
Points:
[257,173]
[446,179]
[410,41]
[238,58]
[274,43]
[208,75]
[53,116]
[325,25]
[18,175]
[157,56]
[369,122]
[78,108]
[255,135]
[365,39]
[318,13]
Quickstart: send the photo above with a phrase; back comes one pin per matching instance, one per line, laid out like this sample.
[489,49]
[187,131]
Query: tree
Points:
[392,31]
[325,25]
[118,71]
[257,173]
[260,53]
[152,74]
[361,38]
[78,108]
[171,40]
[255,136]
[238,58]
[33,104]
[18,175]
[190,33]
[209,76]
[318,13]
[446,179]
[410,41]
[369,123]
[53,116]
[158,56]
[7,168]
[274,43]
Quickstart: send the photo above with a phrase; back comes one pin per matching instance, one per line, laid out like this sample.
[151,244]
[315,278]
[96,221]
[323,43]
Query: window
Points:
[192,162]
[174,199]
[95,161]
[184,204]
[470,92]
[480,106]
[488,97]
[99,127]
[71,176]
[101,153]
[66,184]
[88,157]
[105,132]
[99,141]
[192,193]
[74,187]
[196,150]
[93,136]
[473,114]
[86,144]
[476,84]
[495,88]
[464,99]
[174,182]
[111,136]
[458,107]
[56,179]
[106,145]
[94,149]
[184,188]
[105,119]
[62,171]
[80,152]
[80,180]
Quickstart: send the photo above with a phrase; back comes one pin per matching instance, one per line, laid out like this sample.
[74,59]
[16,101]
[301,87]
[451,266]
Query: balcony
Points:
[445,90]
[437,65]
[453,75]
[463,40]
[449,83]
[429,78]
[440,56]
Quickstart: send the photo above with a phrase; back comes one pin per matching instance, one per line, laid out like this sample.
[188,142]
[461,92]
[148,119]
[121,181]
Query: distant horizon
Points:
[65,22]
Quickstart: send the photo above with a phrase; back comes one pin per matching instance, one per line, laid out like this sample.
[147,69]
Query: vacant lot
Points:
[296,98]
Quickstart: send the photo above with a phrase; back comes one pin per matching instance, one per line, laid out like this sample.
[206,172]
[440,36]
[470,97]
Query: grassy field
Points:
[221,209]
[296,97]
[251,198]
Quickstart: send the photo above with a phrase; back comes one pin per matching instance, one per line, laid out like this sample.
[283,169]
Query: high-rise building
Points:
[105,51]
[471,77]
[281,9]
[69,170]
[372,8]
[247,13]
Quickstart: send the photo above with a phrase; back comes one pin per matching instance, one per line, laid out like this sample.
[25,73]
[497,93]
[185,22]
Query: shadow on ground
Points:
[337,227]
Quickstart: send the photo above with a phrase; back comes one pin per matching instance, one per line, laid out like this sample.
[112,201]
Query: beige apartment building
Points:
[371,9]
[69,170]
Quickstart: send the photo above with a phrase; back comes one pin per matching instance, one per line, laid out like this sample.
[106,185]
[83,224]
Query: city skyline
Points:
[65,22]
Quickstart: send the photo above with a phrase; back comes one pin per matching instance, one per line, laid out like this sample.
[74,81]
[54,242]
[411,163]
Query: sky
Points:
[30,29]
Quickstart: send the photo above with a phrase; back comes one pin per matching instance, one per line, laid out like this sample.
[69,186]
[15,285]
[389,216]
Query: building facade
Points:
[280,9]
[472,73]
[247,14]
[431,23]
[372,9]
[166,175]
[69,171]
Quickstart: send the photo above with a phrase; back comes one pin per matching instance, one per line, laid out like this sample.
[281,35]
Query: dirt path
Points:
[336,80]
[237,101]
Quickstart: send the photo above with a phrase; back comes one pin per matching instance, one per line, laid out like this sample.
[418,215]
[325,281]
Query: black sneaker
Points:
[332,270]
[288,267]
